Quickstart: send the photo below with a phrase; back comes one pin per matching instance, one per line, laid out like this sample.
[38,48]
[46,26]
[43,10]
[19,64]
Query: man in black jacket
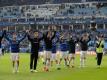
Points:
[48,47]
[72,46]
[35,42]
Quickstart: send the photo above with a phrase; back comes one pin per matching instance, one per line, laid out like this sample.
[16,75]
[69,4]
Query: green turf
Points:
[88,73]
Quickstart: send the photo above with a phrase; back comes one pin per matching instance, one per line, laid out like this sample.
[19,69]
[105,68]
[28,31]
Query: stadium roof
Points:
[36,2]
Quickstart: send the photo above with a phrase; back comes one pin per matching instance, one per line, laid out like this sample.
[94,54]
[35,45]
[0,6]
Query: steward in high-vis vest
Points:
[99,50]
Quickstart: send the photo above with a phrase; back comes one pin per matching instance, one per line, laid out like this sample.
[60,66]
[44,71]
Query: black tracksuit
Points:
[48,41]
[72,45]
[35,43]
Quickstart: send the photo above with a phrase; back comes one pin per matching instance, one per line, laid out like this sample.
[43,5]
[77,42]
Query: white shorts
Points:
[14,56]
[0,52]
[83,54]
[64,54]
[41,53]
[53,57]
[47,54]
[71,55]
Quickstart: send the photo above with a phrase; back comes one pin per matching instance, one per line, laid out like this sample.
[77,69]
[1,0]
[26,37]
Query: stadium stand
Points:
[66,14]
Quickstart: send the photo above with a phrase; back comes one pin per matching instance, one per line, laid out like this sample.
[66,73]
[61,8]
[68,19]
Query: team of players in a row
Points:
[51,53]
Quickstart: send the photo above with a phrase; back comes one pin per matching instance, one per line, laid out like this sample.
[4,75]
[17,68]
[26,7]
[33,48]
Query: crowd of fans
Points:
[32,11]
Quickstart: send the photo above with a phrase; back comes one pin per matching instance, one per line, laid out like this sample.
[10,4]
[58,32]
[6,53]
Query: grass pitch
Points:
[88,73]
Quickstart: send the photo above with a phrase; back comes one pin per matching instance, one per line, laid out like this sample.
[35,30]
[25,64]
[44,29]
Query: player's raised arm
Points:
[28,35]
[89,38]
[3,34]
[23,37]
[41,37]
[54,29]
[7,37]
[54,35]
